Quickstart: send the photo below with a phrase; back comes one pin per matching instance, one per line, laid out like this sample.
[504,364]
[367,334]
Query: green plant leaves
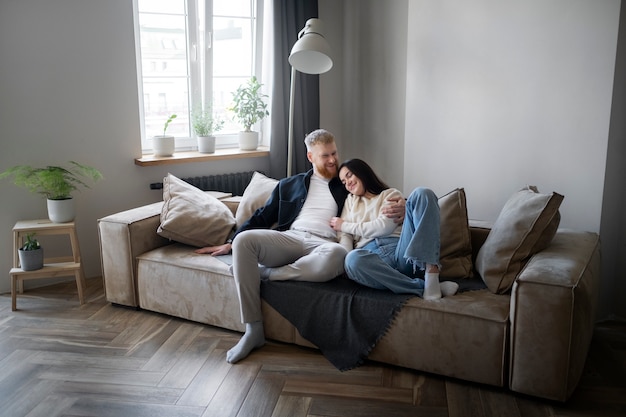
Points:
[54,182]
[249,107]
[31,243]
[167,123]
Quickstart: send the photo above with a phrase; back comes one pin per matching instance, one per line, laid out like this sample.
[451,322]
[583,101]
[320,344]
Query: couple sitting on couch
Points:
[303,246]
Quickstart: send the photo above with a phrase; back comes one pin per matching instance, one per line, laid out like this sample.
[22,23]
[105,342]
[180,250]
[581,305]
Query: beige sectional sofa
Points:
[532,337]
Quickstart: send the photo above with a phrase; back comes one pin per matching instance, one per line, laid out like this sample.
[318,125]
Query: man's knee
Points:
[243,239]
[333,252]
[331,263]
[252,241]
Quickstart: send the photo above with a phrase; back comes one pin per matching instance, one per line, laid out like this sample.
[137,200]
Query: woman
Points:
[386,255]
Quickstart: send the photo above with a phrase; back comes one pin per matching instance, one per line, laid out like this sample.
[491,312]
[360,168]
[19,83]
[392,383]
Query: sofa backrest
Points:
[479,230]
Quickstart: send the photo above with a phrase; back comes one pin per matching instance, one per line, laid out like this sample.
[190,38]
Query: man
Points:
[301,245]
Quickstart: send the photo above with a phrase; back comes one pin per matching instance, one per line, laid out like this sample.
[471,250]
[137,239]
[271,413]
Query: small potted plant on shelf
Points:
[164,145]
[205,124]
[31,254]
[249,108]
[56,184]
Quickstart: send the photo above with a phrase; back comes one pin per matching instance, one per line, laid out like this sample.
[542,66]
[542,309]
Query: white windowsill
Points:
[195,156]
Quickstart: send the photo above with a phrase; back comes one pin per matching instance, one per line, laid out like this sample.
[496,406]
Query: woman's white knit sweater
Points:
[363,219]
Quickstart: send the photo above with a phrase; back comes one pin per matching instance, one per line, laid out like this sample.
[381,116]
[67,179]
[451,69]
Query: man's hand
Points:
[215,250]
[395,209]
[336,223]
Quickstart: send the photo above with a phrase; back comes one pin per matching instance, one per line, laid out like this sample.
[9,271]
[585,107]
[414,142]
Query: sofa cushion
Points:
[175,280]
[191,216]
[254,196]
[464,336]
[526,225]
[456,242]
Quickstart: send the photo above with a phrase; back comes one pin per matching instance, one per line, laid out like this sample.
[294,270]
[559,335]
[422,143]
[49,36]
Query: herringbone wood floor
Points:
[61,359]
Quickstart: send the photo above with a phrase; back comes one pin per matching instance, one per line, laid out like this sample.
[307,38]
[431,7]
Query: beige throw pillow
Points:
[193,217]
[254,196]
[456,242]
[527,223]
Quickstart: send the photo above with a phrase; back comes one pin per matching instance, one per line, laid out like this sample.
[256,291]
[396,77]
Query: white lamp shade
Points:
[311,53]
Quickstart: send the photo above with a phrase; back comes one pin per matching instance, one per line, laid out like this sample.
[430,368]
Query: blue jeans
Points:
[398,264]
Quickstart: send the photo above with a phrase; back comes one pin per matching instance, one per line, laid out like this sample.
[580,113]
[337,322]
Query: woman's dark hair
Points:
[366,174]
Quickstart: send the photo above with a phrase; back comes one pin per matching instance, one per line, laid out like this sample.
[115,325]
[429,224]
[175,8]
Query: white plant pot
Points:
[206,144]
[163,145]
[31,260]
[248,141]
[61,211]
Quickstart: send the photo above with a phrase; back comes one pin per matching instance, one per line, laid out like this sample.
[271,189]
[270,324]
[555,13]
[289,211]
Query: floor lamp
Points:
[311,55]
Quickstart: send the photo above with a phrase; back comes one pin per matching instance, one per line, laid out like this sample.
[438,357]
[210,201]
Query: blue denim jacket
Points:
[287,200]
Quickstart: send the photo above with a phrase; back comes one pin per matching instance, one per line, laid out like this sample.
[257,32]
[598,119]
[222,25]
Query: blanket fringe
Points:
[363,357]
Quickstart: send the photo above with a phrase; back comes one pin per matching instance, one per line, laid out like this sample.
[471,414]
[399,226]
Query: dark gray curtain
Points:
[289,19]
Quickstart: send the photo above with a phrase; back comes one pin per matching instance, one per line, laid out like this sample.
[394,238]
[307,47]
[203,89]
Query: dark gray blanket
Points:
[343,319]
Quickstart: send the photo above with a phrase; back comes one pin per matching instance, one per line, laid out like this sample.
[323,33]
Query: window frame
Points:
[200,67]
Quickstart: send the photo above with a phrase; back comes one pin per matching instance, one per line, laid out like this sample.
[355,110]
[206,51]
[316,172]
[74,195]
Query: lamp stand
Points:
[310,55]
[292,93]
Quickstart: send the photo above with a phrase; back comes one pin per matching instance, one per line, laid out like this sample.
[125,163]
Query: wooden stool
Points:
[53,267]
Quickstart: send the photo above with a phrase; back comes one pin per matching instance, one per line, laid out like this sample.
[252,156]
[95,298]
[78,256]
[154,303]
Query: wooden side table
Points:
[53,267]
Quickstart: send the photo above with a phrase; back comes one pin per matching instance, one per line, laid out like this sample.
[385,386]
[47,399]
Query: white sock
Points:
[448,288]
[253,338]
[432,291]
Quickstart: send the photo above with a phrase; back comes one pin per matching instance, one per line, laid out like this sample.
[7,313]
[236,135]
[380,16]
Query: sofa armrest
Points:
[123,236]
[126,235]
[553,308]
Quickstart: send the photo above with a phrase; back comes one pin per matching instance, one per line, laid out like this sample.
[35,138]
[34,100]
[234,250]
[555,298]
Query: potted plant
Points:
[56,184]
[204,124]
[249,108]
[164,145]
[31,254]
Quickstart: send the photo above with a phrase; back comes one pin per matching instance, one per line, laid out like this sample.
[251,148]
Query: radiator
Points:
[234,183]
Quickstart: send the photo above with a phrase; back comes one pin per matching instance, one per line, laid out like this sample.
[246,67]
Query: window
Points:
[191,52]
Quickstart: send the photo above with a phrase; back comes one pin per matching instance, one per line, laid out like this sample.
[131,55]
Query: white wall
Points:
[497,95]
[503,94]
[69,92]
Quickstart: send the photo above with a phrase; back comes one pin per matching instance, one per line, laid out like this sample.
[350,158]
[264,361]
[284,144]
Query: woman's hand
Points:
[336,223]
[215,250]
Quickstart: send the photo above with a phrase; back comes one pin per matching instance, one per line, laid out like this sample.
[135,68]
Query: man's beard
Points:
[326,173]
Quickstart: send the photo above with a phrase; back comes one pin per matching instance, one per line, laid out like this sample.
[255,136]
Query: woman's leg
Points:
[420,238]
[419,244]
[369,268]
[374,266]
